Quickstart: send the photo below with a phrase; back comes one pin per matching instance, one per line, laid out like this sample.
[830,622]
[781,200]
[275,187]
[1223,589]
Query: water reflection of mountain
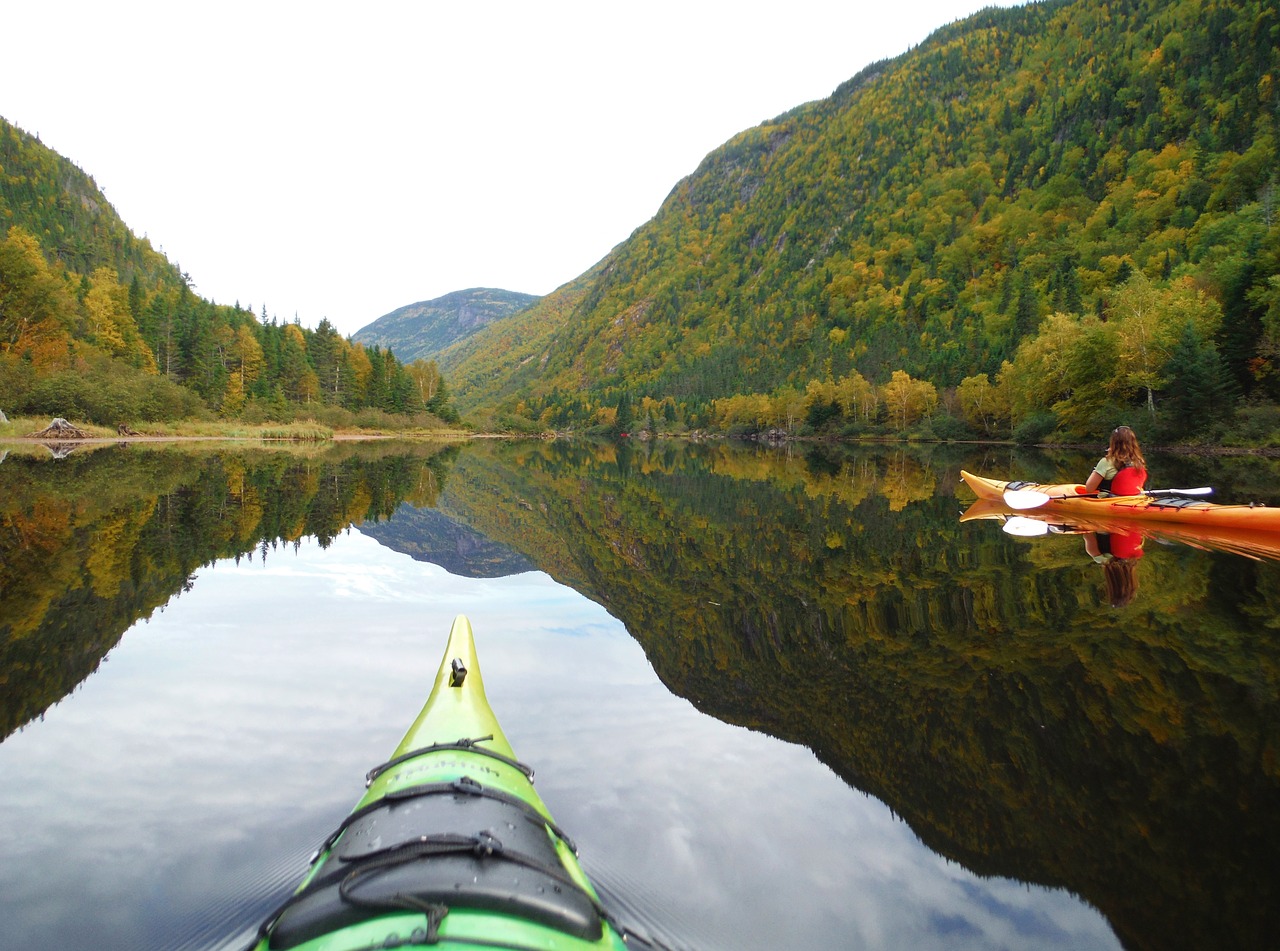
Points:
[427,535]
[980,686]
[94,542]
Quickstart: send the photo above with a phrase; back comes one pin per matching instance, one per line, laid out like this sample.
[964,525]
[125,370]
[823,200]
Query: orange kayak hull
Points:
[1065,500]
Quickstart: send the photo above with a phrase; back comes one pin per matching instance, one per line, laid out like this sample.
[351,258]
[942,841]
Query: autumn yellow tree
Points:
[820,391]
[908,400]
[1148,321]
[245,362]
[786,408]
[361,370]
[426,378]
[982,403]
[1038,375]
[111,325]
[857,397]
[248,355]
[300,381]
[744,410]
[35,306]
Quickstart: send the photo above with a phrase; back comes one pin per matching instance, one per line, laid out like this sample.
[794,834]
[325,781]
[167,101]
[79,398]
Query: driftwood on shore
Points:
[124,430]
[60,429]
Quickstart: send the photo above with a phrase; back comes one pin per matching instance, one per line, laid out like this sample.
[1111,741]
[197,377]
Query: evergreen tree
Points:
[1202,392]
[325,349]
[1241,329]
[296,375]
[626,417]
[1026,315]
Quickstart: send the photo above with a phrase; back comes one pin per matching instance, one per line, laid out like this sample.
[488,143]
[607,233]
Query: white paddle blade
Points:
[1202,490]
[1025,527]
[1025,499]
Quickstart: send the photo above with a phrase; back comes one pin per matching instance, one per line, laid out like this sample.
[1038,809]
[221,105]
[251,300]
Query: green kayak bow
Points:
[450,848]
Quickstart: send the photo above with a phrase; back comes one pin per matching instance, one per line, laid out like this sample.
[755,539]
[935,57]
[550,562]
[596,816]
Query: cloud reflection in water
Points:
[172,799]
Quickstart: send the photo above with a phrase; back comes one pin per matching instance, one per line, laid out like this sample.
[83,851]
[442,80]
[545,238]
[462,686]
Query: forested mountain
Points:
[483,362]
[62,207]
[420,331]
[97,325]
[1063,211]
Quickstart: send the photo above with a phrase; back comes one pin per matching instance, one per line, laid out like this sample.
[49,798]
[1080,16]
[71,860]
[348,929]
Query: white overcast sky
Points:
[342,160]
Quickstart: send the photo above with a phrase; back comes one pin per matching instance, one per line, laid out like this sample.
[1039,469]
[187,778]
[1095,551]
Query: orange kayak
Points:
[1251,542]
[1071,500]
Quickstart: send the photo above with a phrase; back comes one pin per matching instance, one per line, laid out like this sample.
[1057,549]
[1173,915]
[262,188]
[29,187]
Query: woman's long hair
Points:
[1120,580]
[1124,449]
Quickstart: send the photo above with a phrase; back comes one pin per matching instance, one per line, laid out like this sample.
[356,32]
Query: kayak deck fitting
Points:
[451,847]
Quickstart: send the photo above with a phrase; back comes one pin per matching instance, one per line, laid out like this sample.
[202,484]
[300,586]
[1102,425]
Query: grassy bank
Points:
[301,431]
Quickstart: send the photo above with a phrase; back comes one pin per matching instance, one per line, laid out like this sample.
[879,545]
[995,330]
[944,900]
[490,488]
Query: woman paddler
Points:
[1123,470]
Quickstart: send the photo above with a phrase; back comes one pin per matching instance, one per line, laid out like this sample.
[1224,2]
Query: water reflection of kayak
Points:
[1254,543]
[451,847]
[1067,499]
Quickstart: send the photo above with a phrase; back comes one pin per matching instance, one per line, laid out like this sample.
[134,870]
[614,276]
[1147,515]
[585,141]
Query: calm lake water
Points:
[781,698]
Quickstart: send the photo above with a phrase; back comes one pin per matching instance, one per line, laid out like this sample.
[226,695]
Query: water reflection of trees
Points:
[981,686]
[978,684]
[93,542]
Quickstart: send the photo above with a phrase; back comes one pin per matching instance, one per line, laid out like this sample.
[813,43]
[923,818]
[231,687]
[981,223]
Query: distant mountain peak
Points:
[423,329]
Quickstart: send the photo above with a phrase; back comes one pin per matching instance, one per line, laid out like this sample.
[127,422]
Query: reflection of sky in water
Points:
[175,796]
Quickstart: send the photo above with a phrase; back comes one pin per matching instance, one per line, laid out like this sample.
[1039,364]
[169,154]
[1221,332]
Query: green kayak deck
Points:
[451,847]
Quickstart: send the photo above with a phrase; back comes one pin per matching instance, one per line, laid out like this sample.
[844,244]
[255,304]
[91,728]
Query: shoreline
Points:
[1265,452]
[144,438]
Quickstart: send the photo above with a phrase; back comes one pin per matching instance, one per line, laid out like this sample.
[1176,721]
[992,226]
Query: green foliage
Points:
[85,307]
[936,213]
[72,220]
[947,428]
[1255,425]
[505,358]
[1035,429]
[98,390]
[1199,397]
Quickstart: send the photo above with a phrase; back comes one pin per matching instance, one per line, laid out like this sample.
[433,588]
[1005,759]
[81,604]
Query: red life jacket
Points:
[1129,481]
[1126,545]
[1120,544]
